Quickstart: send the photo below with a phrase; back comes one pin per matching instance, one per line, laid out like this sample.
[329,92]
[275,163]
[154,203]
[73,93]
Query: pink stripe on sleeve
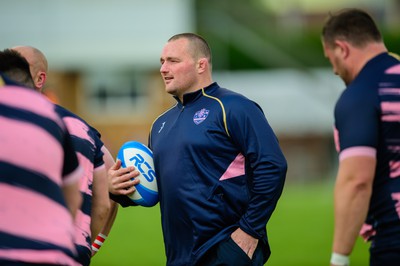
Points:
[393,70]
[357,151]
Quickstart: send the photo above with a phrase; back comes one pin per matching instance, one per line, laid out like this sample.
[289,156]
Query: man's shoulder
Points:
[228,96]
[232,100]
[65,113]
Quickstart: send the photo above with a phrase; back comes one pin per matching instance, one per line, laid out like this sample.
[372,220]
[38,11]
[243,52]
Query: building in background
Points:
[103,55]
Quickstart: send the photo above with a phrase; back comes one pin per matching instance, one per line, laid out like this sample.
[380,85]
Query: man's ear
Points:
[202,65]
[344,48]
[40,79]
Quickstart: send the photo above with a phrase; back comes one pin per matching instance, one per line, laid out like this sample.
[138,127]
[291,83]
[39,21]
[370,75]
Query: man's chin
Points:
[170,91]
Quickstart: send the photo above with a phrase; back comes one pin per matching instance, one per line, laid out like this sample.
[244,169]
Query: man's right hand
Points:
[122,181]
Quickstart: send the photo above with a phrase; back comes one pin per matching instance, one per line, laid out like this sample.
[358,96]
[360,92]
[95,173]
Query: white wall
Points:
[78,34]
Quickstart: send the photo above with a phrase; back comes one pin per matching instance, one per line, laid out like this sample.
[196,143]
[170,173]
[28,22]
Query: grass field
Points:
[300,232]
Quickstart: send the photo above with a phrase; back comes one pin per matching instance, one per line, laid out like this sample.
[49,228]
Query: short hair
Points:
[353,25]
[199,45]
[16,67]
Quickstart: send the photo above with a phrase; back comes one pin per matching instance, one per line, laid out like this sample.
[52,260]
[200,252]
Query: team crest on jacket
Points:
[200,116]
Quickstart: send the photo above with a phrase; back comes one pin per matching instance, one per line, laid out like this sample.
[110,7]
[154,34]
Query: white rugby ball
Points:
[138,155]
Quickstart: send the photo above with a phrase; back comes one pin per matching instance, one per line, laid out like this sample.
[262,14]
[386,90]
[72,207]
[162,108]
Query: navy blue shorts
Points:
[388,257]
[229,253]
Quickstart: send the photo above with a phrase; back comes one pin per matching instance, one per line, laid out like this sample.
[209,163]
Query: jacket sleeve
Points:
[122,200]
[266,165]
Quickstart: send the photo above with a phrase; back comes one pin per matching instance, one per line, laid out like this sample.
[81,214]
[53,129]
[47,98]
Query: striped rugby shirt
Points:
[36,160]
[87,144]
[367,122]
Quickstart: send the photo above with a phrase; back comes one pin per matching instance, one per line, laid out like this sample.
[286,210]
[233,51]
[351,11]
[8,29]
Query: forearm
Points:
[351,208]
[99,218]
[98,239]
[265,193]
[100,201]
[112,214]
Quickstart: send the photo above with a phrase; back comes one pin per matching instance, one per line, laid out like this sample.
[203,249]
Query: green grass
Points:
[301,228]
[135,239]
[300,232]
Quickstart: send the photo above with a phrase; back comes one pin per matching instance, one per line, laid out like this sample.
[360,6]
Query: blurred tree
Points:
[245,35]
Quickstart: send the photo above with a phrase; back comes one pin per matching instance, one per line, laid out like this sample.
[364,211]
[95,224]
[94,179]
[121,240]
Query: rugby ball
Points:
[138,155]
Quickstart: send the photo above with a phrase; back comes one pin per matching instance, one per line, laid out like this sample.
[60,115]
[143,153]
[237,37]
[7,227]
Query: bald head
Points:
[37,63]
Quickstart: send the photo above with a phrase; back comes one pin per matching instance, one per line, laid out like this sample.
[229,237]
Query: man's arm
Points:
[98,239]
[352,195]
[73,197]
[260,147]
[100,201]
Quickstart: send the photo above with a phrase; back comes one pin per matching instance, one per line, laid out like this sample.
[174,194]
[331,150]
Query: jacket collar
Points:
[193,96]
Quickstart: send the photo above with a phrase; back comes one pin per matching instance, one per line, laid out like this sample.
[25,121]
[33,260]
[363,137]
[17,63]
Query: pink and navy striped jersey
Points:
[367,123]
[36,160]
[87,144]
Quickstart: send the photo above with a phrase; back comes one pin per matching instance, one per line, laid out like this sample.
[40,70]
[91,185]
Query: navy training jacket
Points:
[219,167]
